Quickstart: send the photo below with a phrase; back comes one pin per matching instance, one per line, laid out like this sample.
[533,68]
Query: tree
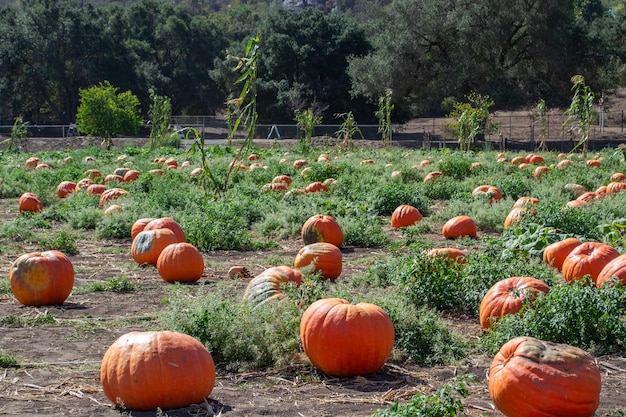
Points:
[104,112]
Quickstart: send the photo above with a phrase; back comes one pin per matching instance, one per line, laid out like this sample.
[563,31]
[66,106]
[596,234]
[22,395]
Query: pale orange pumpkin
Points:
[490,192]
[268,285]
[454,254]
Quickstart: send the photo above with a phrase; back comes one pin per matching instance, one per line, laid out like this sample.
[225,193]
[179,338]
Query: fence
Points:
[517,131]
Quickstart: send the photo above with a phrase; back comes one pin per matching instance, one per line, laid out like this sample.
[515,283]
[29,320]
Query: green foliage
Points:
[363,230]
[386,198]
[446,402]
[581,111]
[22,321]
[306,121]
[577,314]
[8,360]
[347,130]
[117,284]
[457,165]
[385,107]
[61,240]
[19,132]
[160,113]
[472,119]
[528,237]
[105,112]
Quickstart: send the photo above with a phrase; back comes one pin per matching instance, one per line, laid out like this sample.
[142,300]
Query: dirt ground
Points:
[60,372]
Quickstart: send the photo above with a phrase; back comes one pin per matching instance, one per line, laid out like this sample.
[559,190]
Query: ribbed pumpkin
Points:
[490,192]
[316,187]
[29,202]
[268,285]
[167,223]
[525,201]
[64,188]
[180,262]
[84,183]
[530,377]
[615,268]
[432,175]
[454,254]
[139,225]
[344,339]
[514,216]
[615,187]
[459,226]
[507,297]
[555,253]
[588,259]
[149,244]
[150,370]
[96,189]
[322,228]
[326,258]
[42,278]
[110,195]
[131,175]
[405,215]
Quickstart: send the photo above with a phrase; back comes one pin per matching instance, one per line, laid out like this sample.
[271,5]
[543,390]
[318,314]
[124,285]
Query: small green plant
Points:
[385,107]
[347,130]
[117,284]
[581,112]
[60,240]
[306,121]
[471,119]
[446,402]
[38,320]
[8,360]
[539,114]
[160,113]
[19,132]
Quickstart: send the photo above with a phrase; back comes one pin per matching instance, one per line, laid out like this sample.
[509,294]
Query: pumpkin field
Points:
[324,279]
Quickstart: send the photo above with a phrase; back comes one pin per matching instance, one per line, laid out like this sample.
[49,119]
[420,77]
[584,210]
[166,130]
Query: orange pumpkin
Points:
[111,194]
[94,174]
[268,285]
[64,188]
[150,370]
[519,160]
[149,244]
[29,202]
[131,175]
[32,162]
[555,253]
[316,187]
[615,268]
[139,225]
[180,262]
[286,179]
[576,189]
[344,339]
[618,176]
[274,186]
[405,215]
[432,175]
[507,297]
[490,192]
[514,216]
[42,278]
[454,254]
[459,226]
[84,183]
[525,201]
[113,178]
[96,189]
[167,223]
[615,187]
[588,259]
[540,171]
[322,228]
[529,377]
[326,258]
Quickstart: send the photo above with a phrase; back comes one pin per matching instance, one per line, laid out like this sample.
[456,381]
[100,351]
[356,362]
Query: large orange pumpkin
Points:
[459,226]
[555,253]
[150,370]
[507,297]
[42,278]
[588,259]
[326,258]
[149,244]
[167,223]
[180,262]
[64,188]
[405,215]
[530,377]
[268,285]
[344,339]
[322,228]
[615,268]
[139,225]
[29,202]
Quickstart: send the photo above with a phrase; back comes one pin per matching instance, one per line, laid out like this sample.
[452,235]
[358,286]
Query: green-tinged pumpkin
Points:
[42,278]
[180,262]
[326,258]
[150,370]
[322,228]
[344,339]
[149,244]
[533,378]
[268,285]
[507,297]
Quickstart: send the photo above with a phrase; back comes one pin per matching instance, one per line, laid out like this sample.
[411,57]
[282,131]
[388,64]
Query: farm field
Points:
[261,367]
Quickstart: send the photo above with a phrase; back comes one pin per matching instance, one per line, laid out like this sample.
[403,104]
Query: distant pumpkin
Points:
[149,244]
[29,202]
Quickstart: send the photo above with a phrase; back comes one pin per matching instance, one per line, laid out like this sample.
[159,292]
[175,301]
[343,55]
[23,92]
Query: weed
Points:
[60,240]
[8,360]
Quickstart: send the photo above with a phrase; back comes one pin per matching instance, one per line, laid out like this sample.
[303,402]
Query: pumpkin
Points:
[150,370]
[113,178]
[274,186]
[113,208]
[139,225]
[535,159]
[32,162]
[615,187]
[84,183]
[564,163]
[615,268]
[180,262]
[29,202]
[42,166]
[514,216]
[299,163]
[94,174]
[588,259]
[576,189]
[322,228]
[110,195]
[540,171]
[529,377]
[149,244]
[432,175]
[157,172]
[519,160]
[555,253]
[616,177]
[525,201]
[490,192]
[316,187]
[507,297]
[64,188]
[459,226]
[268,285]
[344,339]
[593,163]
[167,223]
[286,179]
[325,257]
[454,254]
[120,172]
[96,189]
[131,175]
[405,215]
[42,278]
